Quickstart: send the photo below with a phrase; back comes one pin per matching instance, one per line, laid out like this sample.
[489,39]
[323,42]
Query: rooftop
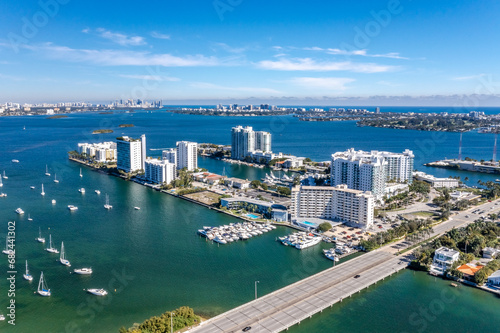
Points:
[469,269]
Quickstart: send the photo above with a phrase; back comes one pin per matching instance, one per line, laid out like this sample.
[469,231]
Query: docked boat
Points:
[107,205]
[97,192]
[83,271]
[19,211]
[40,239]
[81,190]
[137,208]
[29,218]
[97,292]
[220,240]
[7,251]
[27,276]
[47,173]
[43,192]
[72,208]
[15,161]
[50,248]
[4,176]
[55,179]
[43,289]
[62,257]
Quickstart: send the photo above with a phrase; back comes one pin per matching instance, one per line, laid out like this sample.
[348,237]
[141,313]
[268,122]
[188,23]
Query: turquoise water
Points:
[252,216]
[153,257]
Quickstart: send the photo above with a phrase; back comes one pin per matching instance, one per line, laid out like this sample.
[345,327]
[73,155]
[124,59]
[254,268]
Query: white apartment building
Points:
[370,171]
[104,152]
[436,182]
[244,142]
[159,171]
[170,155]
[130,153]
[353,207]
[187,155]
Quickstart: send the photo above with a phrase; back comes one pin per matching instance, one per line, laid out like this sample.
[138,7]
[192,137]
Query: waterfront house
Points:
[443,259]
[469,270]
[494,279]
[490,253]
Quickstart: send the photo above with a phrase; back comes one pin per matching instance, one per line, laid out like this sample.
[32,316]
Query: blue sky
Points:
[282,52]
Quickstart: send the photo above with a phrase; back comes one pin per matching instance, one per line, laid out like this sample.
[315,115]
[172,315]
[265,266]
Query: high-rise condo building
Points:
[263,141]
[159,171]
[337,203]
[170,155]
[130,153]
[187,155]
[245,141]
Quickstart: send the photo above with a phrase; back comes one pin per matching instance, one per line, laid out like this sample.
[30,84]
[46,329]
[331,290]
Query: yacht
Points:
[97,192]
[81,190]
[50,248]
[40,239]
[42,287]
[97,292]
[107,205]
[62,257]
[4,176]
[53,201]
[72,208]
[55,179]
[47,173]
[308,243]
[15,161]
[83,271]
[27,276]
[19,211]
[7,250]
[29,218]
[43,192]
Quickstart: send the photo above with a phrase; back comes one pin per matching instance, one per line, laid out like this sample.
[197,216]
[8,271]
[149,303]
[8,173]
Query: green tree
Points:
[325,226]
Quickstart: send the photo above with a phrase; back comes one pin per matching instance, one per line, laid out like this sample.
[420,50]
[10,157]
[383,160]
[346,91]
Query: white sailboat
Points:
[107,205]
[43,192]
[81,172]
[7,251]
[29,218]
[47,173]
[4,176]
[62,257]
[43,289]
[40,239]
[50,248]
[55,178]
[1,183]
[27,275]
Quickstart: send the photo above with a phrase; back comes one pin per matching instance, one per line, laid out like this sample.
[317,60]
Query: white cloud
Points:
[327,83]
[158,35]
[122,57]
[150,77]
[257,90]
[120,38]
[361,52]
[470,77]
[308,64]
[86,30]
[230,49]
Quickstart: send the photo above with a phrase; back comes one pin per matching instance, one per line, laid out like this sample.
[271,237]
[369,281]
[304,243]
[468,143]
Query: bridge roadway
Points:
[290,305]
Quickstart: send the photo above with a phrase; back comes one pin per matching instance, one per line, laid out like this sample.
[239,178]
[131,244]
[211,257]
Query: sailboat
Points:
[7,251]
[55,178]
[42,287]
[4,176]
[29,218]
[50,248]
[47,173]
[43,192]
[107,205]
[1,183]
[27,275]
[62,257]
[40,239]
[81,172]
[24,128]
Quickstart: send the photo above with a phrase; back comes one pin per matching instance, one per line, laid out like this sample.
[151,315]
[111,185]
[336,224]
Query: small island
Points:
[126,125]
[182,317]
[102,131]
[58,117]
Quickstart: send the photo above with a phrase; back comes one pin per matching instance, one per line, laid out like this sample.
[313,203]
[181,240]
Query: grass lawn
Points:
[205,197]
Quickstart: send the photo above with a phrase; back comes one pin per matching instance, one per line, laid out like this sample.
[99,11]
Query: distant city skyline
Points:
[367,53]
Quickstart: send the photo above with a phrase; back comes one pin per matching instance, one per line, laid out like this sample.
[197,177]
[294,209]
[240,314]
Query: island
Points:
[126,125]
[182,317]
[57,116]
[102,131]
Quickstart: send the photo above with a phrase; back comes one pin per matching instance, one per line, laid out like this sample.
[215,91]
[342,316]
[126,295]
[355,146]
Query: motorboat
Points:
[97,192]
[3,195]
[137,208]
[83,271]
[19,211]
[15,161]
[97,292]
[81,190]
[72,208]
[53,201]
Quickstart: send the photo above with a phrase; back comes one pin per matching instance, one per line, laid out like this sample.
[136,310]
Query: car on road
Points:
[357,276]
[246,329]
[467,216]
